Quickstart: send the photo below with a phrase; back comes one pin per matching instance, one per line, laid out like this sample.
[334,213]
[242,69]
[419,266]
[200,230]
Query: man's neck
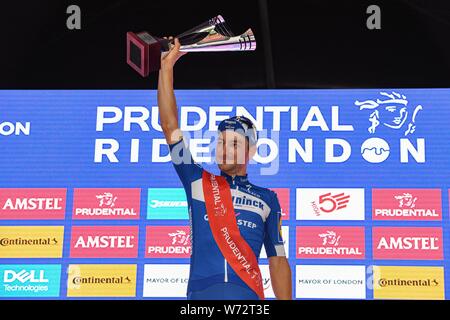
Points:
[238,171]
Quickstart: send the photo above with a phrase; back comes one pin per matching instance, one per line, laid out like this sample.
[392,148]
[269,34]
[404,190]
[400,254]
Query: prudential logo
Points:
[29,280]
[390,112]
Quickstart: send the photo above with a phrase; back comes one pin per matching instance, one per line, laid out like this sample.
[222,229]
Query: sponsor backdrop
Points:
[91,207]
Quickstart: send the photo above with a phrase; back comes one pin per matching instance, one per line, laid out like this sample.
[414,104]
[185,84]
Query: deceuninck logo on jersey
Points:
[330,242]
[283,198]
[406,204]
[101,280]
[167,203]
[330,281]
[31,241]
[104,242]
[32,204]
[106,203]
[285,236]
[408,282]
[330,204]
[165,280]
[168,242]
[404,243]
[30,280]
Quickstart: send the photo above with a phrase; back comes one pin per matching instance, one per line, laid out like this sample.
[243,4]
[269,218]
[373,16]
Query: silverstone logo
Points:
[29,280]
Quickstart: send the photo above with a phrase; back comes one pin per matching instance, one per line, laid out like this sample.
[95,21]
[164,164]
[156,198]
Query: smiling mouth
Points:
[397,120]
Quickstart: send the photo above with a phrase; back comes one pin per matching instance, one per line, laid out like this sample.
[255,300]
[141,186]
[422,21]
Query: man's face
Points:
[231,150]
[393,116]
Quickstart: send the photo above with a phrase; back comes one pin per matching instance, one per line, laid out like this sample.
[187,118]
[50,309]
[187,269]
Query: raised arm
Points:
[167,105]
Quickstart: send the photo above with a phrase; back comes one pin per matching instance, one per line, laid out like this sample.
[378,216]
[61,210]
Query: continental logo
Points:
[101,280]
[31,242]
[424,283]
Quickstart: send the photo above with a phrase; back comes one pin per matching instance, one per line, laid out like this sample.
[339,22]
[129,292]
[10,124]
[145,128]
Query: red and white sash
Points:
[222,220]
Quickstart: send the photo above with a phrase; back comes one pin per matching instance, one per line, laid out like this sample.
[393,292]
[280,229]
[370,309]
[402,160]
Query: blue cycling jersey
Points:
[258,216]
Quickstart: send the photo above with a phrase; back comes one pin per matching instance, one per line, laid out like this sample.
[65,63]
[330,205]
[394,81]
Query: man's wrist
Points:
[167,69]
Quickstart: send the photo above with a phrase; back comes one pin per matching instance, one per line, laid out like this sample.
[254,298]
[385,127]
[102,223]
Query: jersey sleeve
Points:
[273,239]
[185,166]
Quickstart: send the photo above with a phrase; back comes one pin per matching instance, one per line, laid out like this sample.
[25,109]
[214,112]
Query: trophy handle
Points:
[217,42]
[216,24]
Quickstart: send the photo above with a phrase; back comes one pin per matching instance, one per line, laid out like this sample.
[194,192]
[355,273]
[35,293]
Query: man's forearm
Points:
[281,278]
[167,106]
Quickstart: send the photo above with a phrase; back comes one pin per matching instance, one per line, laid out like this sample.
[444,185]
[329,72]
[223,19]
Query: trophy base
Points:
[144,52]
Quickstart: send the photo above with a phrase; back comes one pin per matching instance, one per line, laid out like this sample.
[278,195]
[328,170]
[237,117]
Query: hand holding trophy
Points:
[144,50]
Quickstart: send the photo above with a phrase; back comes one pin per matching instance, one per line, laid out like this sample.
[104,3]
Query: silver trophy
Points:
[144,50]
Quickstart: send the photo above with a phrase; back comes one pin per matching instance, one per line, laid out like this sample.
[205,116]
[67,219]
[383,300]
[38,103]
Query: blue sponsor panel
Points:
[167,204]
[30,280]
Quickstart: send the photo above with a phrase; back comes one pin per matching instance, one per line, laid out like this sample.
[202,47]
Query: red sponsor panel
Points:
[407,243]
[329,242]
[106,204]
[283,198]
[32,204]
[406,204]
[168,242]
[104,242]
